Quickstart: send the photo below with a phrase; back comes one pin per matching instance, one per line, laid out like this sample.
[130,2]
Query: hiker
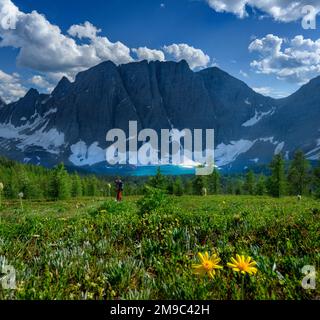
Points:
[119,189]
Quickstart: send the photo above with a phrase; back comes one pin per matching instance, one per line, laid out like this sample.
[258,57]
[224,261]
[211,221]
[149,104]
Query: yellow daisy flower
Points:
[208,265]
[243,264]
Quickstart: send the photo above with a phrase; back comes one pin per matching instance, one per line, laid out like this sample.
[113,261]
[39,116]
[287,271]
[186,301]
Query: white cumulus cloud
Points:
[196,58]
[86,30]
[41,82]
[144,53]
[296,60]
[279,10]
[10,87]
[243,73]
[43,47]
[270,92]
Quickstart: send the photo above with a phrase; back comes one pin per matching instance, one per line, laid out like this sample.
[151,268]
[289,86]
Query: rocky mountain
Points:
[71,123]
[2,103]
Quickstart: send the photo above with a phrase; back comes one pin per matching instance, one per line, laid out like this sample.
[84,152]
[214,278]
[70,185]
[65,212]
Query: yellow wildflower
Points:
[208,265]
[243,264]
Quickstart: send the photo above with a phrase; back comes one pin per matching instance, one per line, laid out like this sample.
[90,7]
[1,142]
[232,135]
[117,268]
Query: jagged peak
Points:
[308,89]
[64,80]
[32,93]
[217,72]
[315,81]
[62,85]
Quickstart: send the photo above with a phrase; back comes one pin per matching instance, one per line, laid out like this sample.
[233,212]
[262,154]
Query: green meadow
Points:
[144,247]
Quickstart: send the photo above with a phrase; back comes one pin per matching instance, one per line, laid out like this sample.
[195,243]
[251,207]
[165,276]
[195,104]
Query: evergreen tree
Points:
[159,181]
[230,186]
[188,187]
[11,186]
[199,183]
[60,184]
[170,185]
[178,187]
[76,186]
[299,174]
[238,186]
[277,182]
[249,183]
[214,182]
[85,187]
[261,187]
[93,187]
[316,181]
[27,186]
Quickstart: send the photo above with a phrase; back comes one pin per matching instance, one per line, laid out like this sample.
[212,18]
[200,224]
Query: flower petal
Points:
[201,257]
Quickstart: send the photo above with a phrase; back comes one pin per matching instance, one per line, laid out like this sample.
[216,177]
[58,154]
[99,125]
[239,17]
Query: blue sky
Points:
[35,54]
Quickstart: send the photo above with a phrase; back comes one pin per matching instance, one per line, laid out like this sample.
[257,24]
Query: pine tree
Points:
[93,187]
[230,186]
[85,187]
[316,181]
[26,185]
[214,182]
[238,186]
[299,174]
[277,181]
[60,184]
[159,181]
[11,188]
[249,183]
[170,186]
[261,187]
[188,187]
[76,186]
[178,187]
[199,184]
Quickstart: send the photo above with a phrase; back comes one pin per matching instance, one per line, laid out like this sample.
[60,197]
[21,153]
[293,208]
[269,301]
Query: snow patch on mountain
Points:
[279,148]
[225,154]
[51,111]
[267,139]
[314,154]
[50,140]
[34,134]
[257,117]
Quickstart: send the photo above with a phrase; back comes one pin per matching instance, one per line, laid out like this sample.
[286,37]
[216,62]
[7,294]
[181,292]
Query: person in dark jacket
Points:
[119,189]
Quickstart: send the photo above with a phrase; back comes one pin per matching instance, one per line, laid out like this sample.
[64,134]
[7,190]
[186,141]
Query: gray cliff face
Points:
[72,122]
[296,121]
[19,112]
[95,102]
[235,103]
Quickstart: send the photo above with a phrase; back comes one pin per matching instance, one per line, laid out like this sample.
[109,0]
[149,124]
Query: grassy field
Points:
[98,249]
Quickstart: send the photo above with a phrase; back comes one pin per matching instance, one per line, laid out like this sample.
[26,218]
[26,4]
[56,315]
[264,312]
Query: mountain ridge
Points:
[249,127]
